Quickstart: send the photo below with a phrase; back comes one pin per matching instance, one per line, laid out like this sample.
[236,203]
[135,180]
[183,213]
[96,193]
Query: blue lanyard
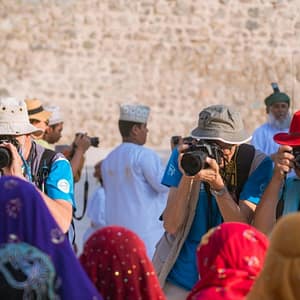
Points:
[26,167]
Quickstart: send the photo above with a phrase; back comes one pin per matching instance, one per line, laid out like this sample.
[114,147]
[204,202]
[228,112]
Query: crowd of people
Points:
[218,221]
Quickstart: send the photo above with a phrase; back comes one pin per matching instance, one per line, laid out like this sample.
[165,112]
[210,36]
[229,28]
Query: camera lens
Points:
[5,157]
[193,162]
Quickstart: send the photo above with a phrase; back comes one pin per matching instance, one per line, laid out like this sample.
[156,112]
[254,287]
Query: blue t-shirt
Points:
[291,195]
[59,183]
[184,272]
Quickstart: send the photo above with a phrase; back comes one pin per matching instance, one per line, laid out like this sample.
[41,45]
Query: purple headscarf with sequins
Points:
[24,217]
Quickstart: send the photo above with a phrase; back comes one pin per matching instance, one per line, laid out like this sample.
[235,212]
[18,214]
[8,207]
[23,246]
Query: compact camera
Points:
[176,139]
[296,153]
[193,159]
[5,153]
[94,140]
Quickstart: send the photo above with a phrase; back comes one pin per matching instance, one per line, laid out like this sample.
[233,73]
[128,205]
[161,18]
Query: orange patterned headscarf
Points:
[115,259]
[280,277]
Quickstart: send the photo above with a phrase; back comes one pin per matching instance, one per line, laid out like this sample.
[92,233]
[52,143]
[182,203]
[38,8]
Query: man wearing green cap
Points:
[277,108]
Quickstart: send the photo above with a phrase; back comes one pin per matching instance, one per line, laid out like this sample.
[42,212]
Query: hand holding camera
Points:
[285,160]
[10,160]
[194,158]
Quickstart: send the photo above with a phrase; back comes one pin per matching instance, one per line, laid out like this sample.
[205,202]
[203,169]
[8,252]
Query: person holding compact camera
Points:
[21,156]
[216,178]
[74,152]
[281,196]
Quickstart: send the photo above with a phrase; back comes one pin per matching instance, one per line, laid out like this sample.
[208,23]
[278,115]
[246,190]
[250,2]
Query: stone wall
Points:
[177,56]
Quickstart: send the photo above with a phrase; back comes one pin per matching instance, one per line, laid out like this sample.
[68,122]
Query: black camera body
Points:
[193,159]
[5,153]
[296,153]
[94,140]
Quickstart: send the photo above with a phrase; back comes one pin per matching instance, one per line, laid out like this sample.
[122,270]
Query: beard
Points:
[279,124]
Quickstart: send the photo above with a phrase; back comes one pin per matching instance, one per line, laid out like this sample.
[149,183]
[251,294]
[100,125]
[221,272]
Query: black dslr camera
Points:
[296,153]
[5,153]
[94,140]
[193,159]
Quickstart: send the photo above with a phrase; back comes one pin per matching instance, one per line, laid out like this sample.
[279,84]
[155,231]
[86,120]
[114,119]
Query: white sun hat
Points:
[14,118]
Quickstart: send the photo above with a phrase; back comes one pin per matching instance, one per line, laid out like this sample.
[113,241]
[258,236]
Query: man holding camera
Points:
[281,196]
[74,152]
[226,187]
[134,196]
[24,158]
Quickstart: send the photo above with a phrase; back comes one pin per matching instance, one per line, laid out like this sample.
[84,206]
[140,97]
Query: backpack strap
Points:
[244,160]
[44,168]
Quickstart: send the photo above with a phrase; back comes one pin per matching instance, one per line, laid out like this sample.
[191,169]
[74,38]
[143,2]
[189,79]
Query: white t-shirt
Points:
[135,197]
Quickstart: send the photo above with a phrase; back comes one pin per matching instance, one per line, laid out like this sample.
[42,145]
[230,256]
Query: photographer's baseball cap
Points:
[14,118]
[292,138]
[36,110]
[134,113]
[222,123]
[56,115]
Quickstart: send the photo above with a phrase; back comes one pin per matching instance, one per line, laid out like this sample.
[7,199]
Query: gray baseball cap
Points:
[222,123]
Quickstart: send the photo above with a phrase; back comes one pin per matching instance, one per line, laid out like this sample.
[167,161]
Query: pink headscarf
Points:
[115,259]
[228,262]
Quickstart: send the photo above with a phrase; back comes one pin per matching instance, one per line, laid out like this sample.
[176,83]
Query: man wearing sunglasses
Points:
[226,187]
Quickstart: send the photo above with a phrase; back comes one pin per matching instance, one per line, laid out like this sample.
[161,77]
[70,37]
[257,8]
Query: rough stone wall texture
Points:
[177,56]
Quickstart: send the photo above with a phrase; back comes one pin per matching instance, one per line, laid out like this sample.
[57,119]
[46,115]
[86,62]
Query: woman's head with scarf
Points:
[115,259]
[229,258]
[25,221]
[279,278]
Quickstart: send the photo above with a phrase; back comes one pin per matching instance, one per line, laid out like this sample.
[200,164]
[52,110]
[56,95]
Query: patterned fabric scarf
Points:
[229,258]
[115,259]
[24,217]
[26,273]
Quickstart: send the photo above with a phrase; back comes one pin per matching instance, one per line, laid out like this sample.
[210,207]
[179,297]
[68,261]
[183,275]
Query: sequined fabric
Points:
[115,259]
[229,259]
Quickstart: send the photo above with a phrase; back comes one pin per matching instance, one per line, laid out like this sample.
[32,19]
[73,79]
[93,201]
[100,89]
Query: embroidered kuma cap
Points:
[56,115]
[134,113]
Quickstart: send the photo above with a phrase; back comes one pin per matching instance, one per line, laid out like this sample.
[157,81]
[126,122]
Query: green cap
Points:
[277,97]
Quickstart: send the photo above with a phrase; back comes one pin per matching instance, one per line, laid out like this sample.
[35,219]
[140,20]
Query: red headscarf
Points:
[116,261]
[229,259]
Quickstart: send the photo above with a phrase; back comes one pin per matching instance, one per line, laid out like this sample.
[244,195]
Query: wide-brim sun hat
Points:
[14,118]
[36,111]
[221,123]
[292,138]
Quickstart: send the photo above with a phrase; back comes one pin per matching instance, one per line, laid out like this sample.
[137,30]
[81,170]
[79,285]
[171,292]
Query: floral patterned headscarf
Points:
[229,258]
[25,220]
[115,259]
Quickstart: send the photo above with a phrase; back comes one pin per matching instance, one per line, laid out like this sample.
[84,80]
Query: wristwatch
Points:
[218,193]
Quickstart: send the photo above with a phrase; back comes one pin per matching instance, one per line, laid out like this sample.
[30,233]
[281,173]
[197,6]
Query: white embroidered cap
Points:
[56,116]
[14,118]
[134,113]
